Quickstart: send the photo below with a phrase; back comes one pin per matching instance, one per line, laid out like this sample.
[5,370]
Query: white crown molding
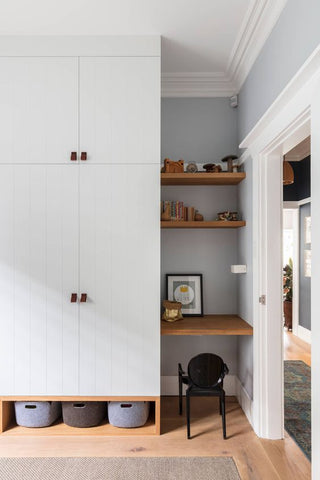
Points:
[202,84]
[257,25]
[261,17]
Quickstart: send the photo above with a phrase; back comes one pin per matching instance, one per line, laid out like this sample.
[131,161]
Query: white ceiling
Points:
[208,46]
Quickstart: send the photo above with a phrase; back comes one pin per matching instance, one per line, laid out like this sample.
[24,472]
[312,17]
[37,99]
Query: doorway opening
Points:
[296,291]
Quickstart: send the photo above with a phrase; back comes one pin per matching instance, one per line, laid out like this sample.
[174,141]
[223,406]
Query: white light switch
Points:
[239,268]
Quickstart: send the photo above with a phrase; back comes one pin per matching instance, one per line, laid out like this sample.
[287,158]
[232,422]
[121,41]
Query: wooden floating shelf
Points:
[213,224]
[208,325]
[8,426]
[202,178]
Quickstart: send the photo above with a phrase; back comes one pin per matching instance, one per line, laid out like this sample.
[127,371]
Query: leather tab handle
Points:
[83,298]
[83,156]
[73,156]
[74,298]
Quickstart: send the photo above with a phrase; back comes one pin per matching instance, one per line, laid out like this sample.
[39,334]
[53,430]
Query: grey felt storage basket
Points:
[128,414]
[83,414]
[37,414]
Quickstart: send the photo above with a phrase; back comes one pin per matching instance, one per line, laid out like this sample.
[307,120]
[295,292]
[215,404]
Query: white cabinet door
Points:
[120,272]
[38,273]
[120,109]
[38,109]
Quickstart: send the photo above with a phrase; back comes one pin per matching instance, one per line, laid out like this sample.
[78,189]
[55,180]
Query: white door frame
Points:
[288,121]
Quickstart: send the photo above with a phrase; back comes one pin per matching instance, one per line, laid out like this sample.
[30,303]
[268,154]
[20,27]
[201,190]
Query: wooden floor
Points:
[256,459]
[295,348]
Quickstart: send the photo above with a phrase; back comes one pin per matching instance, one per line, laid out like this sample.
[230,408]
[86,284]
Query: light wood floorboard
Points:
[295,348]
[256,459]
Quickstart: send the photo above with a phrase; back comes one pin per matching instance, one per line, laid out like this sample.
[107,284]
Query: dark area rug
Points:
[297,403]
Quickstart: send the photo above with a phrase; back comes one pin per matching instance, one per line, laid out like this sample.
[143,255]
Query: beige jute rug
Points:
[119,468]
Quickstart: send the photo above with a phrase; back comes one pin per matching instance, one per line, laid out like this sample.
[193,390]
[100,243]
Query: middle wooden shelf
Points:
[204,224]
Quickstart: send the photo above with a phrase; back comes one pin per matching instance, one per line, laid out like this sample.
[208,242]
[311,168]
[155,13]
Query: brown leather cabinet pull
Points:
[73,156]
[83,156]
[74,297]
[83,298]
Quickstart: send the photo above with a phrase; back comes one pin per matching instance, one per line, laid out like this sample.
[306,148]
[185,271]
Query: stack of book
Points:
[178,211]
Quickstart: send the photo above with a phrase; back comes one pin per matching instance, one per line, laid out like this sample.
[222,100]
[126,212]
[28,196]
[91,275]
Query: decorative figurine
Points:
[192,168]
[212,168]
[198,217]
[173,167]
[229,159]
[228,216]
[172,311]
[166,215]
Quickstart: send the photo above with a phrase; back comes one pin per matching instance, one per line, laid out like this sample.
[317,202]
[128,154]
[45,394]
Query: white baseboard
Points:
[232,387]
[244,400]
[304,334]
[169,385]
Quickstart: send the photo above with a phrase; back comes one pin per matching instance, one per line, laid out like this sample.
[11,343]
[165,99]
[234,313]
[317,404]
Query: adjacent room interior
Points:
[297,200]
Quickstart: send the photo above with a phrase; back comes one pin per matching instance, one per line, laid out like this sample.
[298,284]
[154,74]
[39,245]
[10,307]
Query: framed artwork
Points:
[187,289]
[307,230]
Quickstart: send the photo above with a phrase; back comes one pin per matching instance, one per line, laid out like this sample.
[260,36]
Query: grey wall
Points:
[304,282]
[201,130]
[198,130]
[293,39]
[245,281]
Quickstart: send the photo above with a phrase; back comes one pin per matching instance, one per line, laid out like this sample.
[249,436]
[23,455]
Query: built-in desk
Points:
[208,325]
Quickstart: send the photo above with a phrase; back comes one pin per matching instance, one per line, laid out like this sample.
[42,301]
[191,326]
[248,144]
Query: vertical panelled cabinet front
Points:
[80,243]
[38,272]
[119,271]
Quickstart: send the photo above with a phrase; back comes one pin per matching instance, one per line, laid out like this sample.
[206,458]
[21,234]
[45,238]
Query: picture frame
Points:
[187,289]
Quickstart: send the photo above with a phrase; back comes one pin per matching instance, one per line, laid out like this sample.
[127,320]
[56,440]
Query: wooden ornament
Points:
[166,215]
[173,167]
[229,159]
[212,168]
[198,217]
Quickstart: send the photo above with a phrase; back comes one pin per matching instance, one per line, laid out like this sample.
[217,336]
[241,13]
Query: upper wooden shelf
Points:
[202,178]
[208,325]
[212,224]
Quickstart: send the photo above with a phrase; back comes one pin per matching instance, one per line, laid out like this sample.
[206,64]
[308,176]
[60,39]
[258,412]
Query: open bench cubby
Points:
[9,427]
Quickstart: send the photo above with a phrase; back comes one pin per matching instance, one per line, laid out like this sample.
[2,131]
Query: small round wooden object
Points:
[198,217]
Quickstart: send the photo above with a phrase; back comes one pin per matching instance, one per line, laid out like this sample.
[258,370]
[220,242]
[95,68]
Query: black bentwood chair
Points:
[205,378]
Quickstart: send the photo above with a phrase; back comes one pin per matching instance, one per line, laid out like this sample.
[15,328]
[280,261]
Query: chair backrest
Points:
[206,370]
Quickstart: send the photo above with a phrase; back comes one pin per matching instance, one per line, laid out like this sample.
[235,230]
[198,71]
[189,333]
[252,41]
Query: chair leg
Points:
[220,405]
[180,395]
[223,402]
[188,413]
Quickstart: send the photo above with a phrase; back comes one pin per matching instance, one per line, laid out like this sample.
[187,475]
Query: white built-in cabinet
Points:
[38,109]
[119,109]
[86,226]
[104,107]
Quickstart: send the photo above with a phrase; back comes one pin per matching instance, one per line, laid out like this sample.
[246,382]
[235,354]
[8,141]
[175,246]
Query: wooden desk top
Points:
[208,325]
